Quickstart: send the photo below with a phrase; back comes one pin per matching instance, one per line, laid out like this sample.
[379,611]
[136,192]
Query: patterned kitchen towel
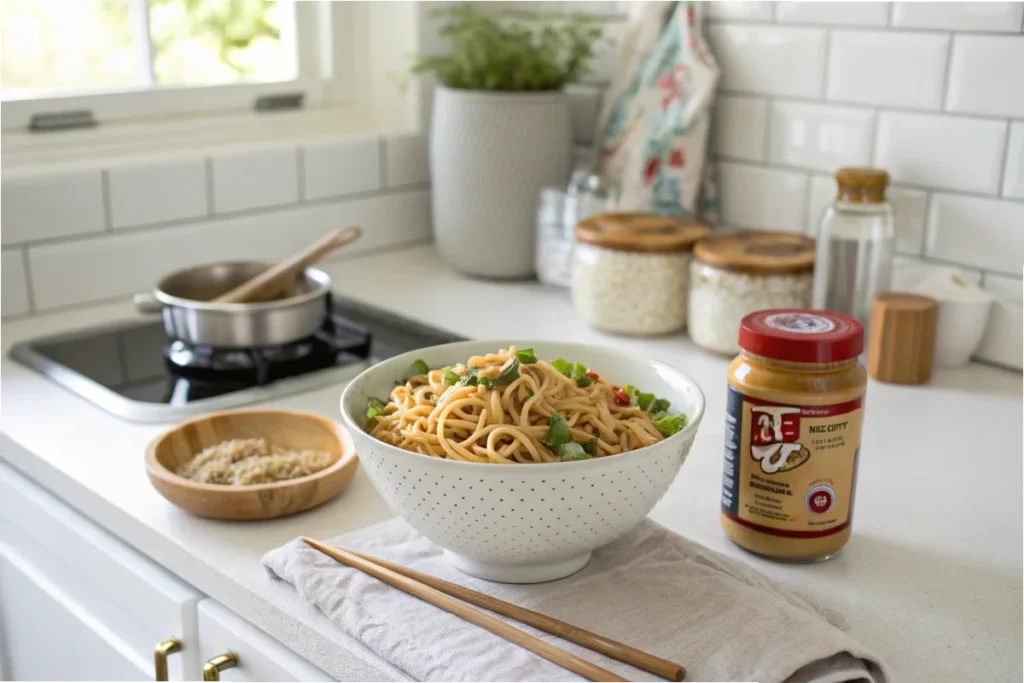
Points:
[651,588]
[653,132]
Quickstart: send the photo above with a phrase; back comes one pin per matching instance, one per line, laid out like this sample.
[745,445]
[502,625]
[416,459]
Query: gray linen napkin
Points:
[651,589]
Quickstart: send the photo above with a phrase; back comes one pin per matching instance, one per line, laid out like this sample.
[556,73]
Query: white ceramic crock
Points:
[491,154]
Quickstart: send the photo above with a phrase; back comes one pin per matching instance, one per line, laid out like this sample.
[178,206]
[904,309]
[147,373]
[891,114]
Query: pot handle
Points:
[145,302]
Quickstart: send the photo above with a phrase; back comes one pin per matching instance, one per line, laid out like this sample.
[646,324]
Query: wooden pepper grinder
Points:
[901,344]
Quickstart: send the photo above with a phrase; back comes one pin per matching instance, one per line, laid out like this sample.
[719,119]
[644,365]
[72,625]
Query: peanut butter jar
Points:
[792,433]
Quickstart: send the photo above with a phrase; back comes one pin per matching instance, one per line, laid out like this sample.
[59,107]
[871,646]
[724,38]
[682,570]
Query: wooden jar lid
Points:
[757,252]
[901,338]
[643,232]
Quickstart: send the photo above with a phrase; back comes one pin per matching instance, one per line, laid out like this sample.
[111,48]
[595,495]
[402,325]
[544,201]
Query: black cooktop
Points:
[134,371]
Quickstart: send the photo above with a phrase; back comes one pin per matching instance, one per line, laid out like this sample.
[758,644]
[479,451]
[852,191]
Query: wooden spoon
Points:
[275,282]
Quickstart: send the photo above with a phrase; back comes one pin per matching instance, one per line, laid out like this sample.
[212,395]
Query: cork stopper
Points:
[901,341]
[861,185]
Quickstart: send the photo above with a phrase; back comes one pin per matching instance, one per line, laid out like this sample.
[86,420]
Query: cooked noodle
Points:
[506,424]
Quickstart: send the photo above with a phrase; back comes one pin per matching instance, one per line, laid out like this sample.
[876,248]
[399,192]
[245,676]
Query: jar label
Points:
[790,470]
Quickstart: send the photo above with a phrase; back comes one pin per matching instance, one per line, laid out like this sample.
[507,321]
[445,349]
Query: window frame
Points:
[321,29]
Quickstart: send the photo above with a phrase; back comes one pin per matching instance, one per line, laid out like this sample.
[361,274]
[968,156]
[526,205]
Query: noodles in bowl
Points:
[509,407]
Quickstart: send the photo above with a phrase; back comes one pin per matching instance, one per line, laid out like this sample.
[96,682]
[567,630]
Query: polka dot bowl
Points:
[524,523]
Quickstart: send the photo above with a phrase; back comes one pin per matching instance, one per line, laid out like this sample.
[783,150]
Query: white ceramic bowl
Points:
[524,523]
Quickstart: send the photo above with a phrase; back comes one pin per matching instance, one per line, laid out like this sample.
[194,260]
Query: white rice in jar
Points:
[736,273]
[630,271]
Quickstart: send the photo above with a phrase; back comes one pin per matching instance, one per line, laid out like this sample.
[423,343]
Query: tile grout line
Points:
[108,209]
[876,28]
[230,215]
[1001,187]
[927,227]
[769,106]
[946,74]
[898,183]
[891,19]
[825,65]
[30,291]
[897,109]
[875,120]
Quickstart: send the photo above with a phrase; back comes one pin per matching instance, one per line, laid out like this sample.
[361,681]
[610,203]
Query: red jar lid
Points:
[801,335]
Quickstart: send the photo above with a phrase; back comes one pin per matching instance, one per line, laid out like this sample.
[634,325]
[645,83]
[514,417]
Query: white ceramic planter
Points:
[490,156]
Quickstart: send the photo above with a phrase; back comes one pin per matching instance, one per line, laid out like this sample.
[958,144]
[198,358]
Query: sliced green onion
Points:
[420,366]
[526,356]
[558,432]
[507,376]
[572,451]
[563,366]
[374,408]
[670,424]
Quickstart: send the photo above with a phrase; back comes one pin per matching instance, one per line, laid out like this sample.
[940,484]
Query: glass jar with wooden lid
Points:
[855,244]
[738,272]
[630,271]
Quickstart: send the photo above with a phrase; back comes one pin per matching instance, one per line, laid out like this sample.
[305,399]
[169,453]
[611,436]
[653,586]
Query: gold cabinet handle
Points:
[213,667]
[160,652]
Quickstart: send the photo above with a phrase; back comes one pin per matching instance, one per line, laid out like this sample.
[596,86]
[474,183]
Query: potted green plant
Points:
[500,132]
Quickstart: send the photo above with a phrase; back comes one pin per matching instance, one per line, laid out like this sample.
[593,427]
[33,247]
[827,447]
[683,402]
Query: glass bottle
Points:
[853,259]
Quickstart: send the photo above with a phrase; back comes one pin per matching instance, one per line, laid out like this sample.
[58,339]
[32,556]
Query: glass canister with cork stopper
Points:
[855,244]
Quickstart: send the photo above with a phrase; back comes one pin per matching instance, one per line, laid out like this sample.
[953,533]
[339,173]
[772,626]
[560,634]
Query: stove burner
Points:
[338,340]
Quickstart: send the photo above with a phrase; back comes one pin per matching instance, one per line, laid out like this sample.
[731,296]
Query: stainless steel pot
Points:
[183,298]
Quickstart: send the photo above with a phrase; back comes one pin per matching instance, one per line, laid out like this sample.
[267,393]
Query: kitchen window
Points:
[131,59]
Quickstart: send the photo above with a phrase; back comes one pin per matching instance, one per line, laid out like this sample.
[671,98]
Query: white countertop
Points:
[931,580]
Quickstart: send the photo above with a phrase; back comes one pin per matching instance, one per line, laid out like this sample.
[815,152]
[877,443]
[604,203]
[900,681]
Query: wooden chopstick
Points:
[470,614]
[598,643]
[649,663]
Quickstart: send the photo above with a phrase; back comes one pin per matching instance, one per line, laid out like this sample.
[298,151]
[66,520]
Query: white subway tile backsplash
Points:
[941,151]
[1002,342]
[45,205]
[340,168]
[838,13]
[79,271]
[606,59]
[820,136]
[1013,176]
[763,198]
[769,59]
[984,233]
[157,192]
[255,179]
[585,107]
[406,160]
[986,75]
[755,11]
[889,68]
[908,209]
[960,16]
[13,283]
[739,127]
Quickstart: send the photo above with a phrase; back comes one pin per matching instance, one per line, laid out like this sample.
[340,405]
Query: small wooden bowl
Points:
[287,429]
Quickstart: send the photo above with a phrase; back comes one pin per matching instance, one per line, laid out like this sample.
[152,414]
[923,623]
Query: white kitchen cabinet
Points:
[259,657]
[48,635]
[76,603]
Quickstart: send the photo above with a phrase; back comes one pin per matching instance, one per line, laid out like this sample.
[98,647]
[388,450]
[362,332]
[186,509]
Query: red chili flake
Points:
[676,159]
[593,375]
[621,399]
[651,170]
[616,388]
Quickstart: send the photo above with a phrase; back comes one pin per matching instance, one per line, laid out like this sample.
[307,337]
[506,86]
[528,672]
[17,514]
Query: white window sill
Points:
[182,137]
